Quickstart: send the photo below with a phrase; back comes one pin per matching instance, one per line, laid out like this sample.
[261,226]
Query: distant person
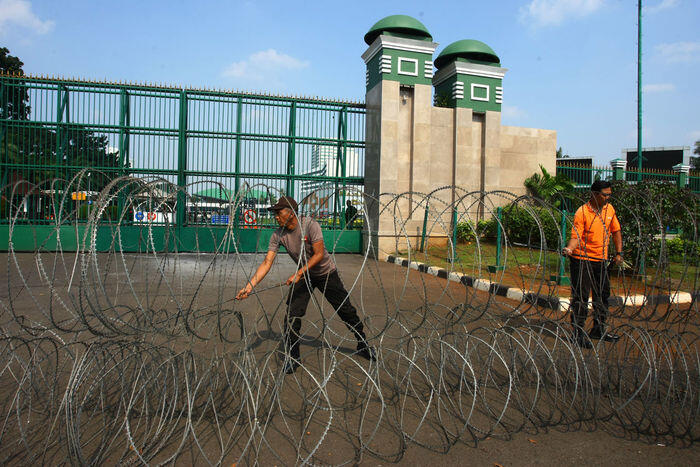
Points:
[594,223]
[321,272]
[350,214]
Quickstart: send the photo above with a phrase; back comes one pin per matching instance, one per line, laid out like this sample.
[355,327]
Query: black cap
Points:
[285,202]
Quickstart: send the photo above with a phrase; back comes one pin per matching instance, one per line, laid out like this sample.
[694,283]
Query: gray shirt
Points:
[292,241]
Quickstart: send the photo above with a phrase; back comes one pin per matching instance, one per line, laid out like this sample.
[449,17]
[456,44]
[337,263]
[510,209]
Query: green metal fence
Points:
[694,183]
[651,175]
[212,145]
[583,176]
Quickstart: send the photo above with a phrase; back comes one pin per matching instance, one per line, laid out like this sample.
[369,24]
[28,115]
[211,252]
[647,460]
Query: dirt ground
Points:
[114,286]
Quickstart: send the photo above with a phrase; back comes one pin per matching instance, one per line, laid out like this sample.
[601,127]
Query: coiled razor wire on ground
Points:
[131,358]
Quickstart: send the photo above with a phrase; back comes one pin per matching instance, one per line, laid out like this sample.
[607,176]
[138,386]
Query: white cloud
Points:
[662,5]
[264,64]
[19,13]
[661,87]
[694,135]
[512,112]
[678,52]
[554,12]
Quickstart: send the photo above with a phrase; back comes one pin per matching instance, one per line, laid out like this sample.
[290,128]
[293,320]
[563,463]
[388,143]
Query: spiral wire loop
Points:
[144,358]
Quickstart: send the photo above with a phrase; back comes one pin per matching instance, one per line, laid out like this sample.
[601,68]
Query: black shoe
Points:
[365,351]
[290,366]
[584,342]
[581,339]
[607,337]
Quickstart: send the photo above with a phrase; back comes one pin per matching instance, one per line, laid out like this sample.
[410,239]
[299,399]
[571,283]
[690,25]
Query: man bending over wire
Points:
[320,270]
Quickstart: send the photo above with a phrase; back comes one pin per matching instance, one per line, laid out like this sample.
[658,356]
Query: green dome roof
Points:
[398,24]
[469,49]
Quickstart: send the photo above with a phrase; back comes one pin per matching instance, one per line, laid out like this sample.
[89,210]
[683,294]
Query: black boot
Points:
[291,346]
[366,351]
[598,332]
[290,365]
[581,339]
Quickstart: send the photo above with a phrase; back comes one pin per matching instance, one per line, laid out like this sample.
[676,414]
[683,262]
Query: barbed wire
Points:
[115,357]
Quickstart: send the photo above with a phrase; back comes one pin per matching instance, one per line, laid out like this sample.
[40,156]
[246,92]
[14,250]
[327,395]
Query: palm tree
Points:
[551,189]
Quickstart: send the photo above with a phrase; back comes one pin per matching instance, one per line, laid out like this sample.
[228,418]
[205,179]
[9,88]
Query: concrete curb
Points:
[546,301]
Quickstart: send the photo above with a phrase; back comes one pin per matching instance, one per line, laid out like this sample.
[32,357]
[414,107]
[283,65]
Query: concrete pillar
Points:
[618,166]
[682,171]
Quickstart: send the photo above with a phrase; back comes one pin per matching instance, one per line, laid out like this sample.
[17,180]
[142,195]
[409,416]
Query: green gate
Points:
[210,161]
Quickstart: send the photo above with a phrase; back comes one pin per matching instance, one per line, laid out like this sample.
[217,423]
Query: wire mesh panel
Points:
[214,146]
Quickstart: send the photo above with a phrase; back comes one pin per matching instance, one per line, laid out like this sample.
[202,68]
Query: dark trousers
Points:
[587,276]
[298,299]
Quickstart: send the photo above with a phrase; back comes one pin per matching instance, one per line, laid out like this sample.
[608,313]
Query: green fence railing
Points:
[212,145]
[583,176]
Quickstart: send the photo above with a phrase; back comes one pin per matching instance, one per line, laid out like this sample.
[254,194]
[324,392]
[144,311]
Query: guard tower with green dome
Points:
[469,75]
[400,49]
[425,130]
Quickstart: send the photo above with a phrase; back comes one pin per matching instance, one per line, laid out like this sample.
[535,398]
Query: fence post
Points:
[618,166]
[453,254]
[291,148]
[682,173]
[237,212]
[3,130]
[425,226]
[338,204]
[561,278]
[124,122]
[181,162]
[61,107]
[499,239]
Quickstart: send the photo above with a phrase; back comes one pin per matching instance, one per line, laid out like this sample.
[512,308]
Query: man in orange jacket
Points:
[594,223]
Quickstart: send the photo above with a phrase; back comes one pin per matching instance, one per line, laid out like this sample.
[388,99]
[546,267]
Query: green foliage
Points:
[648,208]
[555,190]
[526,225]
[487,228]
[42,147]
[695,161]
[81,148]
[15,96]
[465,232]
[442,100]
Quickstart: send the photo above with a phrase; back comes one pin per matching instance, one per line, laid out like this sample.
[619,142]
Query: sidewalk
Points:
[547,301]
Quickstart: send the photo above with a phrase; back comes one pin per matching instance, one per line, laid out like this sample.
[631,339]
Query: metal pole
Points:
[237,187]
[3,131]
[561,278]
[123,147]
[425,226]
[498,237]
[562,261]
[291,148]
[182,161]
[639,90]
[454,236]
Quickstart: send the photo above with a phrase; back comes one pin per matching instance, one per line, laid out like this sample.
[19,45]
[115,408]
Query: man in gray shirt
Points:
[294,234]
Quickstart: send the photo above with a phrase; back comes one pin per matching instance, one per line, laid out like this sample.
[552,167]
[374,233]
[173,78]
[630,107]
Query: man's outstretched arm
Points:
[259,275]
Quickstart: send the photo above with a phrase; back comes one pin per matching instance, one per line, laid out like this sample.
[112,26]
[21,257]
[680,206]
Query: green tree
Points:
[695,161]
[14,96]
[39,146]
[554,190]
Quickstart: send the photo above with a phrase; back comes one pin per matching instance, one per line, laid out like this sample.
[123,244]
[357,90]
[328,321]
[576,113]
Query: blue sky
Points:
[572,63]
